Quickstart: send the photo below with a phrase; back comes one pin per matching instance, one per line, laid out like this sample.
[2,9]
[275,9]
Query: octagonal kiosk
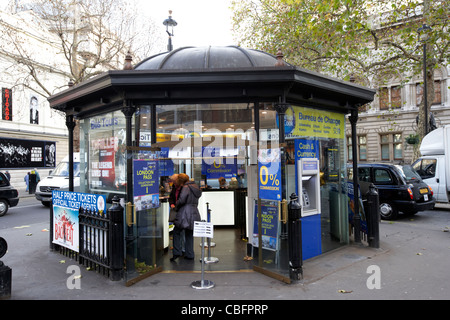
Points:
[199,96]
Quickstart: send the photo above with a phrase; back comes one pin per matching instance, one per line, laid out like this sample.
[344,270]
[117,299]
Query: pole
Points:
[425,89]
[70,123]
[202,284]
[356,218]
[209,259]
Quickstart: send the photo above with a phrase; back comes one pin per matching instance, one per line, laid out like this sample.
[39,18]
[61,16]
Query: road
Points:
[28,211]
[412,264]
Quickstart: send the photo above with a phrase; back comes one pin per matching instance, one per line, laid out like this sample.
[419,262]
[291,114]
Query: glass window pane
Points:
[398,154]
[362,139]
[385,152]
[396,97]
[384,98]
[437,92]
[362,152]
[385,139]
[382,176]
[364,174]
[419,93]
[398,137]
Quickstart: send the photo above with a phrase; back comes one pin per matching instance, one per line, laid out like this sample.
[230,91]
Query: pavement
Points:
[412,263]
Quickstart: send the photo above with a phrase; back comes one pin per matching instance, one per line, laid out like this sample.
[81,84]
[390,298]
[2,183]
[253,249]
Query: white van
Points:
[434,164]
[58,179]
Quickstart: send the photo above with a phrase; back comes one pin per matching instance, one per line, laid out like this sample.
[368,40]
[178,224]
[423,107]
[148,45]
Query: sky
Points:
[200,22]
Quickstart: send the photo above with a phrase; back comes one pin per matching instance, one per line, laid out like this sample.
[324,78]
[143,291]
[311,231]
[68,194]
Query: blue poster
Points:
[146,184]
[214,166]
[305,148]
[66,225]
[351,206]
[269,225]
[269,169]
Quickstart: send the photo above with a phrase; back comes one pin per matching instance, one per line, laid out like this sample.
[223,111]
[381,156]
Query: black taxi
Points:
[400,188]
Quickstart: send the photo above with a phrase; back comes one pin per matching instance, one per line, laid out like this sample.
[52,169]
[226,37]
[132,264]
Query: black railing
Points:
[100,241]
[94,239]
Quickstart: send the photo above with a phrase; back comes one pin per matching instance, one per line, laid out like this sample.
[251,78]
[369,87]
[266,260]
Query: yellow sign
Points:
[306,122]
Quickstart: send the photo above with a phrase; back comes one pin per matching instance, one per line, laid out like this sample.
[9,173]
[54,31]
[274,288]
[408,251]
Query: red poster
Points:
[103,170]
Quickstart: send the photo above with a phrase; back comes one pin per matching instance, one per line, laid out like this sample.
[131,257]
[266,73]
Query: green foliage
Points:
[370,40]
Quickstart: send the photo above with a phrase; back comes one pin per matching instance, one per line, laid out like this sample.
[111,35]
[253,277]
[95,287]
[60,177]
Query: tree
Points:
[92,35]
[370,41]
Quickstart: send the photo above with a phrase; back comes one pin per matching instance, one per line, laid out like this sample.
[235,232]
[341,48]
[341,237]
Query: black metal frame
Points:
[100,241]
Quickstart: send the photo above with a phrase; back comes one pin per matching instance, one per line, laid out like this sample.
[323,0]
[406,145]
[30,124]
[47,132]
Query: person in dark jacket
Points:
[175,192]
[173,197]
[187,208]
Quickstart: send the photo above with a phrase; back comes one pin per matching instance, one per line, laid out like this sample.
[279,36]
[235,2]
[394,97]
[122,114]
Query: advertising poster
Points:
[7,105]
[269,225]
[215,166]
[20,153]
[146,184]
[301,122]
[351,207]
[103,170]
[107,152]
[305,148]
[269,168]
[66,204]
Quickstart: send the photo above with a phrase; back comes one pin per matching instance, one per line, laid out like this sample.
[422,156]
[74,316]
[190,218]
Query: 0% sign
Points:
[265,177]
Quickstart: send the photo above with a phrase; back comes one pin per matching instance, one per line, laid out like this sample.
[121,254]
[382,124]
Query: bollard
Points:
[295,238]
[5,273]
[115,214]
[373,217]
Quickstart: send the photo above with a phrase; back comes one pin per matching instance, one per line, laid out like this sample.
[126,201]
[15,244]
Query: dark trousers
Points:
[177,242]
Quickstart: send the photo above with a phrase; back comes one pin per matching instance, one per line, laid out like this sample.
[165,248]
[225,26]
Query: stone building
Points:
[383,132]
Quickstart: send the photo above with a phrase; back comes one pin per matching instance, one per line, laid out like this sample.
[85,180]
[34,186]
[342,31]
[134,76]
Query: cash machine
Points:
[308,188]
[309,185]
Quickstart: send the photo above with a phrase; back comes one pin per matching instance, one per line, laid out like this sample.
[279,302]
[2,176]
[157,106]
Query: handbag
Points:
[172,214]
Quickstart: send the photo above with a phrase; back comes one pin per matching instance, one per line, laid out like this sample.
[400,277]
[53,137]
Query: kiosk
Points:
[187,97]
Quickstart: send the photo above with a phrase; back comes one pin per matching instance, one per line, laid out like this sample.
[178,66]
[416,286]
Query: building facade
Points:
[34,64]
[32,136]
[385,125]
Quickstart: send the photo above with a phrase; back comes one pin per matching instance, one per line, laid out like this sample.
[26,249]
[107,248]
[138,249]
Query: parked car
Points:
[9,196]
[400,189]
[58,179]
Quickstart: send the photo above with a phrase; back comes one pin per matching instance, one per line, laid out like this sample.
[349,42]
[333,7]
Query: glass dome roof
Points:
[230,57]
